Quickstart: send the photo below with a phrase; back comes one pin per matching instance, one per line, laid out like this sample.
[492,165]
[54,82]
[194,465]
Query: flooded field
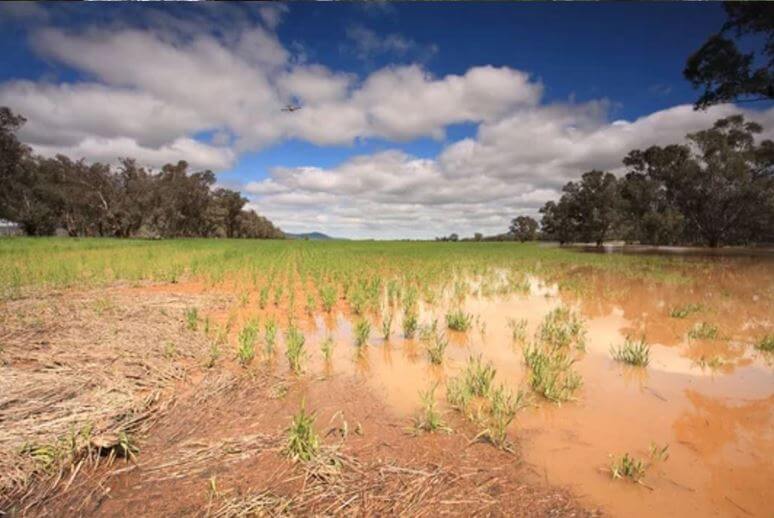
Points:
[388,332]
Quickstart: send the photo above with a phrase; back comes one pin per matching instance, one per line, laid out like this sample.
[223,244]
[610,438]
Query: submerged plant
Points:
[703,331]
[562,328]
[410,324]
[436,348]
[327,348]
[684,311]
[632,468]
[766,343]
[518,329]
[458,320]
[632,352]
[362,332]
[551,373]
[303,443]
[386,324]
[478,376]
[294,340]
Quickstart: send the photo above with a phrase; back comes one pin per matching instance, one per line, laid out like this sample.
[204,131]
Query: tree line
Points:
[44,195]
[716,189]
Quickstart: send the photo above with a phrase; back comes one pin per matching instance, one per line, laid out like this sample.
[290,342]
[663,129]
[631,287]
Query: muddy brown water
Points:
[710,400]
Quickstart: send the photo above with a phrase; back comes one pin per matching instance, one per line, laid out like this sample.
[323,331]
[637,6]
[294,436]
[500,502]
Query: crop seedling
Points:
[386,324]
[766,344]
[191,318]
[429,419]
[213,355]
[310,304]
[362,332]
[478,376]
[410,324]
[551,373]
[327,348]
[328,297]
[303,443]
[436,348]
[518,329]
[263,297]
[703,331]
[458,320]
[685,311]
[270,335]
[631,468]
[294,339]
[246,339]
[458,394]
[277,295]
[632,352]
[562,328]
[503,406]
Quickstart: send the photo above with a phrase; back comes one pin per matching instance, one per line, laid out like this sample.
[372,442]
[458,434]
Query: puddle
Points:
[710,400]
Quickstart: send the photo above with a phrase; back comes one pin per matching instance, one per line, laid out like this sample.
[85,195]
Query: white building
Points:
[9,228]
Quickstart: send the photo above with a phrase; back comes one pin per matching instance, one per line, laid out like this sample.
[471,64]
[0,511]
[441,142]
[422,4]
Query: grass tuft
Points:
[362,332]
[632,352]
[703,331]
[294,341]
[458,320]
[429,419]
[303,443]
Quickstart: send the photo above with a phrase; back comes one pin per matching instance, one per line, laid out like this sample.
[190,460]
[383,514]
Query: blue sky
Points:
[417,119]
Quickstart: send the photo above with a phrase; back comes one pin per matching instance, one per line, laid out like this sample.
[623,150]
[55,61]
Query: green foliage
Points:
[518,329]
[429,419]
[246,339]
[703,331]
[436,347]
[632,352]
[386,324]
[632,468]
[270,335]
[562,328]
[478,376]
[551,373]
[327,348]
[303,443]
[685,311]
[362,332]
[766,343]
[191,318]
[328,297]
[503,406]
[294,341]
[410,324]
[263,297]
[458,320]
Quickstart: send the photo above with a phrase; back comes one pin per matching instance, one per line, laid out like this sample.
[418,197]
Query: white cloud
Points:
[513,166]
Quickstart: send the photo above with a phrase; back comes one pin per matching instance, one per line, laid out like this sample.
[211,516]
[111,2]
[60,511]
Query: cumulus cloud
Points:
[157,85]
[511,167]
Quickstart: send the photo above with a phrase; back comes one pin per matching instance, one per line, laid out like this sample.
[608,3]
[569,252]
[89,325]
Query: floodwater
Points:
[710,400]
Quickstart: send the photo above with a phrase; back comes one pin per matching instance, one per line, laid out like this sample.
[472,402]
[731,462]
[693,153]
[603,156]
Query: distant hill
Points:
[317,236]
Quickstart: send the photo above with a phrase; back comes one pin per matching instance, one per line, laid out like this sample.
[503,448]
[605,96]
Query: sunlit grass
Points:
[632,352]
